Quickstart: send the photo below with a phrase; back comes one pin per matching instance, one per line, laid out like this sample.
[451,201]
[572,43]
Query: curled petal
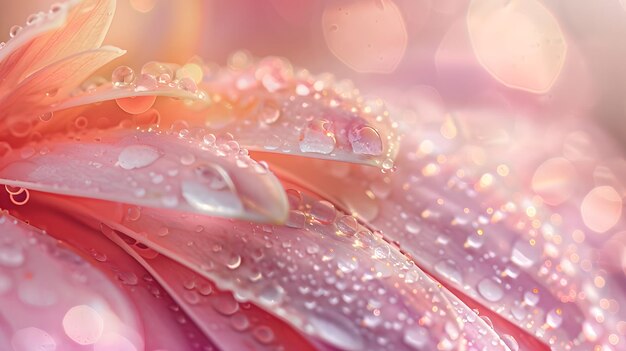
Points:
[147,168]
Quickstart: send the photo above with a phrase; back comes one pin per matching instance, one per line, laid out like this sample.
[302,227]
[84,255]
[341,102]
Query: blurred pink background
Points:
[391,46]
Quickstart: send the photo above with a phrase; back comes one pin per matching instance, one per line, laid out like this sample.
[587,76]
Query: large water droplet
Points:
[316,137]
[323,211]
[365,140]
[122,76]
[490,289]
[269,112]
[213,191]
[137,156]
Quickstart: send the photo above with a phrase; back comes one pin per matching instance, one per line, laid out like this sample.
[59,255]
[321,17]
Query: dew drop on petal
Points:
[145,82]
[269,112]
[366,141]
[263,334]
[490,289]
[316,138]
[510,342]
[323,211]
[137,156]
[15,30]
[347,225]
[46,116]
[83,324]
[122,76]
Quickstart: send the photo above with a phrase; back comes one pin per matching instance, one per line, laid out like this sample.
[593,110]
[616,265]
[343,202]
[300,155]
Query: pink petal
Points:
[250,327]
[269,107]
[323,273]
[74,303]
[73,27]
[147,168]
[461,222]
[164,325]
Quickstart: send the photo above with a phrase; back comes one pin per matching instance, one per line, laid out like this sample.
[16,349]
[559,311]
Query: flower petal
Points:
[268,107]
[69,28]
[55,82]
[147,168]
[323,273]
[208,306]
[165,327]
[454,212]
[75,304]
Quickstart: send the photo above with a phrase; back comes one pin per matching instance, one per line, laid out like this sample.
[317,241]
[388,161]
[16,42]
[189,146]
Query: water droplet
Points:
[263,334]
[159,71]
[347,265]
[187,84]
[234,261]
[347,225]
[316,138]
[554,318]
[136,104]
[365,140]
[127,278]
[122,76]
[323,211]
[15,30]
[145,82]
[239,322]
[269,112]
[296,219]
[225,304]
[490,289]
[137,156]
[46,116]
[271,295]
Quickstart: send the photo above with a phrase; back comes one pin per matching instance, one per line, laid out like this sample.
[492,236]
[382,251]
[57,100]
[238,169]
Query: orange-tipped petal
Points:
[52,83]
[146,168]
[69,28]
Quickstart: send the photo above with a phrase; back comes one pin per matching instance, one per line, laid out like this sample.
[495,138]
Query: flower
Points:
[137,219]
